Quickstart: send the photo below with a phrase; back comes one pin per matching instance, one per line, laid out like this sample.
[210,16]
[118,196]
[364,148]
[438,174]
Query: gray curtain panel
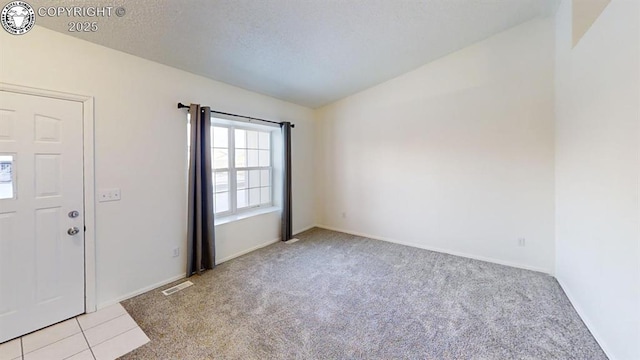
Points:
[201,231]
[287,225]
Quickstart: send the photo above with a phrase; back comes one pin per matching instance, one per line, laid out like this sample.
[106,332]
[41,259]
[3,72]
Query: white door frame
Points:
[89,182]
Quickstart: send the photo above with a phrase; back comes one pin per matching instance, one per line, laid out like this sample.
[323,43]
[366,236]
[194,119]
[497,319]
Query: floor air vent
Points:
[175,289]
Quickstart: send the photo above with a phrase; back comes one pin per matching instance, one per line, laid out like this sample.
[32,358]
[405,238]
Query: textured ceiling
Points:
[309,52]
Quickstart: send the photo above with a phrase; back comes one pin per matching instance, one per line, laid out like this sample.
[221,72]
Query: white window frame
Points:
[232,170]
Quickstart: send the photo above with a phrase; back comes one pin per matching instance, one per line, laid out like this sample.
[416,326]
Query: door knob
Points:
[73,214]
[72,231]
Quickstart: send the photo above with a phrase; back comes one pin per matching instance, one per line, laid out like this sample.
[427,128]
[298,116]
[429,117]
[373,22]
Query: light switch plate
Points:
[105,195]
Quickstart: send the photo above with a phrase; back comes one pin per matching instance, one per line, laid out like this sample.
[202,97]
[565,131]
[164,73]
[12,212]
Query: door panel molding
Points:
[89,179]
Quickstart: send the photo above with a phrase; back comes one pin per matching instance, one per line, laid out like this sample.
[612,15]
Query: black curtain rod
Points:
[183,106]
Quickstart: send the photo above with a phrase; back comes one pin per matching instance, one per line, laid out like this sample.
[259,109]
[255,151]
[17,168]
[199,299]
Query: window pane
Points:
[265,158]
[252,139]
[241,139]
[220,137]
[264,140]
[7,177]
[254,197]
[253,157]
[254,178]
[241,158]
[242,199]
[265,195]
[220,158]
[241,179]
[222,181]
[221,202]
[252,149]
[265,178]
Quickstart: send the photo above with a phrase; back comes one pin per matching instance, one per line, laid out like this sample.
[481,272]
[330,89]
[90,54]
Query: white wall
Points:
[598,174]
[455,156]
[140,147]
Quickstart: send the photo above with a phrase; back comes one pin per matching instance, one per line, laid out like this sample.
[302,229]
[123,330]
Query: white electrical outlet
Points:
[176,252]
[521,242]
[108,195]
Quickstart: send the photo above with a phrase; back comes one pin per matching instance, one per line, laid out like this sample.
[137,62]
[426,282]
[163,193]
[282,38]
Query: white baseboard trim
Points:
[296,232]
[254,248]
[585,320]
[440,250]
[140,291]
[260,246]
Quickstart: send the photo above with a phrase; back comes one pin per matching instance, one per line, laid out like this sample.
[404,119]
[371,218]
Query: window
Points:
[7,177]
[242,168]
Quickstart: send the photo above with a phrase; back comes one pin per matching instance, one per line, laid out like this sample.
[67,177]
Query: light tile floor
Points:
[103,335]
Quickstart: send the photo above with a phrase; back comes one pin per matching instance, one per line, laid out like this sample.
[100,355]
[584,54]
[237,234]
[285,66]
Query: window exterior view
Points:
[6,177]
[242,166]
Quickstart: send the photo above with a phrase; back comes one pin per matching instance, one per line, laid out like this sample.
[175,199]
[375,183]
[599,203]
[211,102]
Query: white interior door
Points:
[41,185]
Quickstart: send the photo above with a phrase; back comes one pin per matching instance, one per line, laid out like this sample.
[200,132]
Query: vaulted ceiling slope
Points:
[309,52]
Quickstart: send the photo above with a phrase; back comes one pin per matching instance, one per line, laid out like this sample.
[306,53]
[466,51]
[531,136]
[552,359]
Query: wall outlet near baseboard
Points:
[522,242]
[176,252]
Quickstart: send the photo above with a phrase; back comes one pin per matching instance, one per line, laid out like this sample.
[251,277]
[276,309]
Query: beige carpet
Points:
[337,296]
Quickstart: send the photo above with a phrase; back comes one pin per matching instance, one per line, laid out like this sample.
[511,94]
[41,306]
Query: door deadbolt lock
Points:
[72,231]
[74,214]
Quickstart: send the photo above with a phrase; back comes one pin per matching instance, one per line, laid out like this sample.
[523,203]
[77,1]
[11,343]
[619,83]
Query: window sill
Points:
[245,215]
